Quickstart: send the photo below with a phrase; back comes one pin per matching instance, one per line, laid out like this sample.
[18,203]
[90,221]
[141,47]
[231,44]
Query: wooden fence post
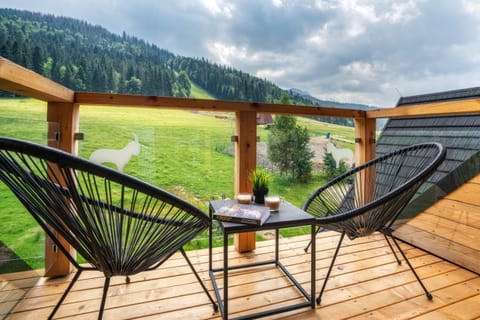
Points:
[365,139]
[63,119]
[245,162]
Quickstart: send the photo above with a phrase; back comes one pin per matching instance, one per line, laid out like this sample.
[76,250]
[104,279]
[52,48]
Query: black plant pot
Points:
[260,195]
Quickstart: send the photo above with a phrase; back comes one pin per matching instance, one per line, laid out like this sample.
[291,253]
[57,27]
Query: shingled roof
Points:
[459,133]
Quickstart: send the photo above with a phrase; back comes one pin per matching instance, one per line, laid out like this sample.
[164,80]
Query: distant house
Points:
[454,182]
[264,118]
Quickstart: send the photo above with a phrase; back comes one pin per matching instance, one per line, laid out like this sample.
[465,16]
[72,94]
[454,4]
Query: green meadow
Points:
[186,153]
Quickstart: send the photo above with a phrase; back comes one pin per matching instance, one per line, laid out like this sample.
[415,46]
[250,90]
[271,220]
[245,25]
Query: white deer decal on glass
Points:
[343,154]
[118,157]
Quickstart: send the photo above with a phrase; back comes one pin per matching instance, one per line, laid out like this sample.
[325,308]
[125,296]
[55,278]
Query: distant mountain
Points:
[328,103]
[85,57]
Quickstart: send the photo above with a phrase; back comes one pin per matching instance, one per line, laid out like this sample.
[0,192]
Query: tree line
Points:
[84,57]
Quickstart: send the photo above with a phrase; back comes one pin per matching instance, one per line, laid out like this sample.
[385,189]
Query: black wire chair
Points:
[120,225]
[370,197]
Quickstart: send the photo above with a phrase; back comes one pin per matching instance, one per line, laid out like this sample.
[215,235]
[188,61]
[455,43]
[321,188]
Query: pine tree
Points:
[288,147]
[330,168]
[37,60]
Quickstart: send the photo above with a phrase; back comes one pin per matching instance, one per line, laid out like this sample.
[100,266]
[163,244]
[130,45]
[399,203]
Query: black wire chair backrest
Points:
[371,196]
[119,224]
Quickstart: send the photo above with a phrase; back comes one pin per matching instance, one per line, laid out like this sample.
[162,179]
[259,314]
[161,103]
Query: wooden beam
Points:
[63,120]
[245,163]
[428,109]
[17,79]
[105,99]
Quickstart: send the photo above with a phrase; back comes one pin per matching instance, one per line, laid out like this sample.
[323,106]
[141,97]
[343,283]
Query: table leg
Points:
[225,275]
[210,242]
[276,247]
[313,267]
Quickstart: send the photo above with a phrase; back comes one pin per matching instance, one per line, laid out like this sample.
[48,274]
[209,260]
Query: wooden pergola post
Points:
[63,119]
[245,162]
[365,139]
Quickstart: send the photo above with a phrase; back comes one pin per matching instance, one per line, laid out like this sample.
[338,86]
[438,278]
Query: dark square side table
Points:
[287,216]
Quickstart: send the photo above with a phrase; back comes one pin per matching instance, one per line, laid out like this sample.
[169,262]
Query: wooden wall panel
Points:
[450,228]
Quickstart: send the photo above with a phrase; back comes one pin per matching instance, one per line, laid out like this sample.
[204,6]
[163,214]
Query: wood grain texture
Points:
[17,79]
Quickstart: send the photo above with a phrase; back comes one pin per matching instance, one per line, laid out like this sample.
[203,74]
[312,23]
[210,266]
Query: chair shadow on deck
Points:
[10,262]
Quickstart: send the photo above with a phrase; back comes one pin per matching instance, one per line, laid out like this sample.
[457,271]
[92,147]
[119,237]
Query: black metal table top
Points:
[287,216]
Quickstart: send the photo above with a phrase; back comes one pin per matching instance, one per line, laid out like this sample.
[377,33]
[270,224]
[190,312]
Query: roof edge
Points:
[460,94]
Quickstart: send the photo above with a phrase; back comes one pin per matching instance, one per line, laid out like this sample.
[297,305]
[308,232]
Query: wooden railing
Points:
[63,109]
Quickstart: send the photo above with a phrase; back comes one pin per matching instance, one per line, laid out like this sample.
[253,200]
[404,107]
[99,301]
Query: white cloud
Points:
[363,70]
[472,6]
[226,54]
[218,7]
[359,10]
[277,3]
[402,12]
[272,74]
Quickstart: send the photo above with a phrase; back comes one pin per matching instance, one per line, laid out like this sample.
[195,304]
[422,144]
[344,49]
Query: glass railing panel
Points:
[22,241]
[189,154]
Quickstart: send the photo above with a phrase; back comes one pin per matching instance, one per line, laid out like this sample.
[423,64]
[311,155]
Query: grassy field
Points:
[183,152]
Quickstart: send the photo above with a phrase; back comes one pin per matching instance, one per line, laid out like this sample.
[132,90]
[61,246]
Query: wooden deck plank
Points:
[466,309]
[461,293]
[451,231]
[465,256]
[365,283]
[459,212]
[467,193]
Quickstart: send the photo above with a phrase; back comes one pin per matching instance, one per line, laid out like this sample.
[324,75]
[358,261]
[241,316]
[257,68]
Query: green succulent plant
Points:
[260,179]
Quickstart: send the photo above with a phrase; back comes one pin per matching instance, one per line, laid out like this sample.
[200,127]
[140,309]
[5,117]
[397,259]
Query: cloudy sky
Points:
[361,51]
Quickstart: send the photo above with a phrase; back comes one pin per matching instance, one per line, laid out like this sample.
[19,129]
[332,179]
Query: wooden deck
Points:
[366,283]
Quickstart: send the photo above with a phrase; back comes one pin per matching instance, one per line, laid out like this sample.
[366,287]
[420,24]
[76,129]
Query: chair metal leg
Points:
[75,278]
[104,297]
[215,306]
[428,294]
[310,242]
[319,298]
[391,248]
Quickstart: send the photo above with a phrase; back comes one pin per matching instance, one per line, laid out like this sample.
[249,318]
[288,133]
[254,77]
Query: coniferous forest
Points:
[86,57]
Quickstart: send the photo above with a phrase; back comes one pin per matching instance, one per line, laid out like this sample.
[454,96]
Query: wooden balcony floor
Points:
[366,283]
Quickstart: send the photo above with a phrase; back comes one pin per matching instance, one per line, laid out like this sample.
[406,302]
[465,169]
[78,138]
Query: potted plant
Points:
[260,178]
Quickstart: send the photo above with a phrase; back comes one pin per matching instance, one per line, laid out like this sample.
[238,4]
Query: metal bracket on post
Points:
[78,136]
[373,139]
[53,134]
